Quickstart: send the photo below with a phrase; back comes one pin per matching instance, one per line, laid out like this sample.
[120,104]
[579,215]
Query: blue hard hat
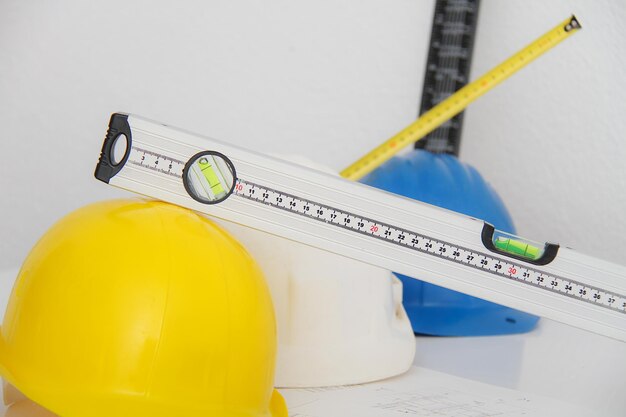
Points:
[444,181]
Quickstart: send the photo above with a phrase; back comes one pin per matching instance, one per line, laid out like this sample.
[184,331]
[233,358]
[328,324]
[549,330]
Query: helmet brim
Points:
[278,406]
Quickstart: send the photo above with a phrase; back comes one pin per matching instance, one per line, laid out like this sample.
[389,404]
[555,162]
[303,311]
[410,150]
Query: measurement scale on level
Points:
[357,221]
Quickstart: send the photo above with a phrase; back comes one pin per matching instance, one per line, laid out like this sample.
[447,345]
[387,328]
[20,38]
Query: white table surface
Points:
[557,362]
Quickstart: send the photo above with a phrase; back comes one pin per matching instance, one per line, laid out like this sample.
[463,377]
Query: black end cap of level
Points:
[106,168]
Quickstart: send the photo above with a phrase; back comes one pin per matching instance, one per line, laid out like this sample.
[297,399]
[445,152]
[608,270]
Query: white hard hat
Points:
[340,321]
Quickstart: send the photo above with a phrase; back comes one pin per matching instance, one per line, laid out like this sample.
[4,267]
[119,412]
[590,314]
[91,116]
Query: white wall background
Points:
[326,79]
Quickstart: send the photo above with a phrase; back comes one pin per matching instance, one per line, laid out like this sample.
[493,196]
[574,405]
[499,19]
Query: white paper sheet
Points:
[425,393]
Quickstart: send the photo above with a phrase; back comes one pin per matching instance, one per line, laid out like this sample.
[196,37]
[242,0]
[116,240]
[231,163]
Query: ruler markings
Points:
[434,247]
[150,160]
[468,265]
[448,68]
[453,105]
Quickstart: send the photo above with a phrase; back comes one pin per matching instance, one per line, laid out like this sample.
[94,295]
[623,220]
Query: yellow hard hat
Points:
[141,308]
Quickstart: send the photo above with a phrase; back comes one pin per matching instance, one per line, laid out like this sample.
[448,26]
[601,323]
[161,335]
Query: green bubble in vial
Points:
[211,176]
[517,247]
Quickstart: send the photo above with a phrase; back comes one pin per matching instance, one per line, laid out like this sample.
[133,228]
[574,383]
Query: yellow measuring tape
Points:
[457,102]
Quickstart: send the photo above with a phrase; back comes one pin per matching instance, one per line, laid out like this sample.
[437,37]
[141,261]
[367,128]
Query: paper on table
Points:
[426,393]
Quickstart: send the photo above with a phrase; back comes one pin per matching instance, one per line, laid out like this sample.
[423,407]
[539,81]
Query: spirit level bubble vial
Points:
[364,223]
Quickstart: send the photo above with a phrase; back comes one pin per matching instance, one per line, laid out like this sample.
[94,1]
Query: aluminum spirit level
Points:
[360,222]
